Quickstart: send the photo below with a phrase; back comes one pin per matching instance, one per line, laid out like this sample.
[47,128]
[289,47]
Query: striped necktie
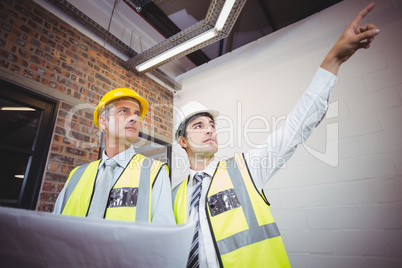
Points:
[193,260]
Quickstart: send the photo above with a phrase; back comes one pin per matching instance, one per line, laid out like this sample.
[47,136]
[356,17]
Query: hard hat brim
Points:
[214,114]
[116,94]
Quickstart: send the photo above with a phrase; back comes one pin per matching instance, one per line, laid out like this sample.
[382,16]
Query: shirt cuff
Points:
[322,83]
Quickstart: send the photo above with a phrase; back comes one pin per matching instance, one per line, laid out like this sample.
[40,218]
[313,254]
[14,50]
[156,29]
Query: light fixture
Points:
[177,49]
[223,16]
[21,109]
[19,176]
[186,45]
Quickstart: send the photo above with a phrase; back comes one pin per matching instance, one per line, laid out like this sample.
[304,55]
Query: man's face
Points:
[201,136]
[122,122]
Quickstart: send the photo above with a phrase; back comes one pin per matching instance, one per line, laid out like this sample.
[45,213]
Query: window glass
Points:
[18,124]
[151,149]
[13,176]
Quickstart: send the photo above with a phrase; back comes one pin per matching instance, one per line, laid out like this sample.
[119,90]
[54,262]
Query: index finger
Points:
[363,13]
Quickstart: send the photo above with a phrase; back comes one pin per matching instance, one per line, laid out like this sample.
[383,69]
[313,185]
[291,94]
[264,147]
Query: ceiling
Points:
[134,26]
[257,19]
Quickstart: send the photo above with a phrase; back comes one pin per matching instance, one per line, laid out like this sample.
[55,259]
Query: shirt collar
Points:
[122,158]
[209,170]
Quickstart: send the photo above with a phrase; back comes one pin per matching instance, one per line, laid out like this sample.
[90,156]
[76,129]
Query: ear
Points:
[102,123]
[183,142]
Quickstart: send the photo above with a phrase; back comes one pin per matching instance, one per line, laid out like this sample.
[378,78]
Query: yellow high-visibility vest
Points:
[129,199]
[242,227]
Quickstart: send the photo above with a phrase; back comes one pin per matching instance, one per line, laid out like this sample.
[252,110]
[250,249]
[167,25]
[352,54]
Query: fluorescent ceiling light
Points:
[19,176]
[223,16]
[227,7]
[177,49]
[17,109]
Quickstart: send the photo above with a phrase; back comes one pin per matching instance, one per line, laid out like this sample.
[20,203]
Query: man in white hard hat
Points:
[123,185]
[235,227]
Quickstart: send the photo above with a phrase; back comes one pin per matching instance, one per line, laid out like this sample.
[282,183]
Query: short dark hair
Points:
[181,131]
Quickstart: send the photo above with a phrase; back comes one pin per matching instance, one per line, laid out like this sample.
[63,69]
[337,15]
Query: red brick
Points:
[49,187]
[52,166]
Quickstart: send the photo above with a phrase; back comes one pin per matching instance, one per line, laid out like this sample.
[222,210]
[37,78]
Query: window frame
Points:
[32,181]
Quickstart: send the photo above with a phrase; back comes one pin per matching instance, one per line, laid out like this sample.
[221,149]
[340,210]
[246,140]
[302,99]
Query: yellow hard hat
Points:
[119,93]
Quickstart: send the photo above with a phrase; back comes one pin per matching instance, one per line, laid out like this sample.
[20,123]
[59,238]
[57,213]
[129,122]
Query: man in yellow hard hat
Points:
[123,185]
[234,224]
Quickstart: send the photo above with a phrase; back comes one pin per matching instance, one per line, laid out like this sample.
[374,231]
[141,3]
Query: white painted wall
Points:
[341,211]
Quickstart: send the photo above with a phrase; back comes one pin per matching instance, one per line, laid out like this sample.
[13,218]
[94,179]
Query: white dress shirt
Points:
[161,204]
[278,147]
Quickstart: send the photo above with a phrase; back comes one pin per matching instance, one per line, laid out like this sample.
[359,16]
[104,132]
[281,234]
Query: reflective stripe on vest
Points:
[73,180]
[130,198]
[255,232]
[243,229]
[76,203]
[144,211]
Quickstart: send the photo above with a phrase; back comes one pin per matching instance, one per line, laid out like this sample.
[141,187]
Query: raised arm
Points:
[353,38]
[311,108]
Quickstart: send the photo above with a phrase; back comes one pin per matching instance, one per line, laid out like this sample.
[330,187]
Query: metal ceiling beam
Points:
[86,21]
[103,33]
[156,17]
[203,26]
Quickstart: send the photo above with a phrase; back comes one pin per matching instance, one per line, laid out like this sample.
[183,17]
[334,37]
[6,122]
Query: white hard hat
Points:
[188,110]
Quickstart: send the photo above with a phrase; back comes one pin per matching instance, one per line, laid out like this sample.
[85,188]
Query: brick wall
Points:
[65,64]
